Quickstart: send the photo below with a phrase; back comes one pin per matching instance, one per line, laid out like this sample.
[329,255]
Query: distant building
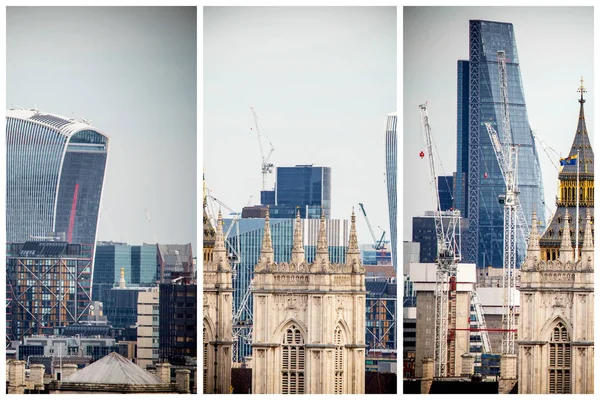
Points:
[54,177]
[147,327]
[381,316]
[391,173]
[370,256]
[305,187]
[174,261]
[140,263]
[445,192]
[424,233]
[48,287]
[177,321]
[121,304]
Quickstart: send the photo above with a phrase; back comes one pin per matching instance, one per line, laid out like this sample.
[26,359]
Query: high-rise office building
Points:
[391,173]
[303,187]
[479,179]
[55,173]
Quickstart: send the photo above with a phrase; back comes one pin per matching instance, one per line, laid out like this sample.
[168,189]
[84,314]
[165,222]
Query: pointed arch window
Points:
[292,362]
[559,362]
[338,341]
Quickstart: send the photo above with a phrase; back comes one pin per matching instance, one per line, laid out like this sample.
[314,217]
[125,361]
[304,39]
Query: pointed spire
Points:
[298,246]
[266,250]
[322,238]
[588,239]
[566,247]
[353,240]
[534,238]
[219,238]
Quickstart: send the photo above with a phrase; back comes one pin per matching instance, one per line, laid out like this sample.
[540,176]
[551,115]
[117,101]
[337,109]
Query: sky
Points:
[555,47]
[321,80]
[132,73]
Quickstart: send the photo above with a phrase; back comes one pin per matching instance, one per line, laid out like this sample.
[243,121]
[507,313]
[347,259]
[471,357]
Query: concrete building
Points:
[174,261]
[309,319]
[217,341]
[556,333]
[147,327]
[423,277]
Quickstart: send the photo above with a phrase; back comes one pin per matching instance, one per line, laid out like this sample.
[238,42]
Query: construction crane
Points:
[378,244]
[266,166]
[242,329]
[448,256]
[507,156]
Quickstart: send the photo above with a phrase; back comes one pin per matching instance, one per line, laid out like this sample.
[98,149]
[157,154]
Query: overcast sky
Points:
[321,79]
[555,47]
[132,73]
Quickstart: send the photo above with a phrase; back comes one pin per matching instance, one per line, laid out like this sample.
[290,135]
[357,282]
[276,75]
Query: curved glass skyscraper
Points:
[479,181]
[55,173]
[391,173]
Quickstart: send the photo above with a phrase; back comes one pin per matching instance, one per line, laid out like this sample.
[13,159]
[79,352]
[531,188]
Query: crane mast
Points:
[378,244]
[507,156]
[266,166]
[448,256]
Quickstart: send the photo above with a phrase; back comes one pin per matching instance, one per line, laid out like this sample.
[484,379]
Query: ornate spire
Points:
[322,238]
[122,284]
[581,144]
[582,91]
[298,246]
[566,248]
[588,239]
[534,237]
[267,244]
[353,240]
[219,239]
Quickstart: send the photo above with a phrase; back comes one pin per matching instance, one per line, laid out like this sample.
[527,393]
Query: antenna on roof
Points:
[17,106]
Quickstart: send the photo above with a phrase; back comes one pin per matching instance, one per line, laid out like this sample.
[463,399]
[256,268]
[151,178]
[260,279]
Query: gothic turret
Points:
[219,251]
[587,250]
[533,245]
[353,252]
[298,245]
[566,250]
[267,255]
[322,256]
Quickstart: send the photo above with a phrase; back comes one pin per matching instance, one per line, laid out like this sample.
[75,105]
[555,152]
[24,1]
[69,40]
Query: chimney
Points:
[163,371]
[183,380]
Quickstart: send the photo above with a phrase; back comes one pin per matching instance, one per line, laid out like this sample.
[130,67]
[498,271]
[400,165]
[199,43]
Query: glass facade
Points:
[247,238]
[303,186]
[478,194]
[143,265]
[107,267]
[445,192]
[55,173]
[391,173]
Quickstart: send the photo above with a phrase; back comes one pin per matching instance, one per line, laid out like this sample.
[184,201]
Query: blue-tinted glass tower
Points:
[445,192]
[305,187]
[55,174]
[479,180]
[110,258]
[391,173]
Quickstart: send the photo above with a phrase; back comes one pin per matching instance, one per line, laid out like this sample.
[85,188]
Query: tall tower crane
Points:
[507,156]
[378,243]
[266,166]
[448,256]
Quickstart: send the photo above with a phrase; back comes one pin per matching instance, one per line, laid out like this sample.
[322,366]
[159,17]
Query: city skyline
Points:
[550,85]
[321,80]
[137,84]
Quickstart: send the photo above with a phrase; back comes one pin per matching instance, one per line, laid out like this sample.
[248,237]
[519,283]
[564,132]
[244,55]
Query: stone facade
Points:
[309,320]
[556,333]
[217,312]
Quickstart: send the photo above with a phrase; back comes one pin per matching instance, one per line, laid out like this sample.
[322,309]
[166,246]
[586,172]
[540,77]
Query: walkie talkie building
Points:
[55,173]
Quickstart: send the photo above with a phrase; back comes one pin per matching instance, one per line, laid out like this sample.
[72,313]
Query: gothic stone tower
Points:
[556,330]
[217,312]
[309,320]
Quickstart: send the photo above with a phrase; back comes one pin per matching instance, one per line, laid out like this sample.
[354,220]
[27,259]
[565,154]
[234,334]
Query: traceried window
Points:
[339,361]
[559,360]
[292,362]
